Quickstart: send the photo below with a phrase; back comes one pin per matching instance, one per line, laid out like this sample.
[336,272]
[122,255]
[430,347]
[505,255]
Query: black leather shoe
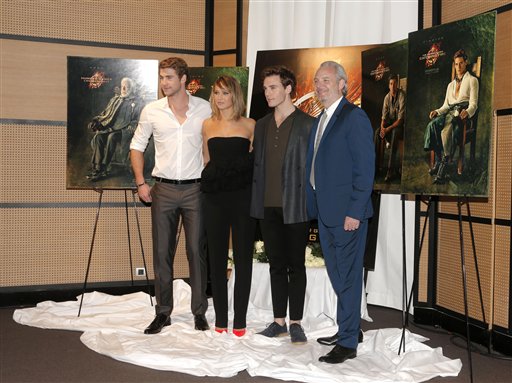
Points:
[200,323]
[331,340]
[158,324]
[339,354]
[328,340]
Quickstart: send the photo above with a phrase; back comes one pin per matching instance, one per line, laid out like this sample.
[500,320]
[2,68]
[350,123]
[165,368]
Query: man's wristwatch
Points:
[143,183]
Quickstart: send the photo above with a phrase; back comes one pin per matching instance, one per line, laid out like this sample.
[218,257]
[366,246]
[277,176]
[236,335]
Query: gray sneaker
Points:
[274,330]
[297,334]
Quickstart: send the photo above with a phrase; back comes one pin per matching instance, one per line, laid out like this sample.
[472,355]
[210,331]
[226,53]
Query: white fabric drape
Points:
[113,326]
[275,24]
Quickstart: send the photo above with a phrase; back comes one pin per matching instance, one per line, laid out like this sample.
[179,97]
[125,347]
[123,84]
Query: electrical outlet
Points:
[140,271]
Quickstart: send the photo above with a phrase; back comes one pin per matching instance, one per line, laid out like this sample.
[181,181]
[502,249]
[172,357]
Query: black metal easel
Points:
[100,191]
[405,315]
[406,301]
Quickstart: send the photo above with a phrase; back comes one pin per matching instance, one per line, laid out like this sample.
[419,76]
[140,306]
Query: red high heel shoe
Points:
[239,332]
[221,330]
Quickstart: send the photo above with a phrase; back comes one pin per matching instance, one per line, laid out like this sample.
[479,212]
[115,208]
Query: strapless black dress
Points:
[230,166]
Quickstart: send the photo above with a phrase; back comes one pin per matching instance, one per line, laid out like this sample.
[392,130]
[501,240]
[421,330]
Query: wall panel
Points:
[504,167]
[153,23]
[225,25]
[449,273]
[503,60]
[47,230]
[501,293]
[455,10]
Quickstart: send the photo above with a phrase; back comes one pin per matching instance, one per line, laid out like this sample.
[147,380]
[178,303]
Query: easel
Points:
[100,191]
[461,200]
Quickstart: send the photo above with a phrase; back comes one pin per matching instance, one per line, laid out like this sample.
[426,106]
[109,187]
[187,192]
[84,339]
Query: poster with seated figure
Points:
[449,109]
[105,98]
[384,100]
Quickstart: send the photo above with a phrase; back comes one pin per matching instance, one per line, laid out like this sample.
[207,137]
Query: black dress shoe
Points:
[338,354]
[331,340]
[200,323]
[158,324]
[328,340]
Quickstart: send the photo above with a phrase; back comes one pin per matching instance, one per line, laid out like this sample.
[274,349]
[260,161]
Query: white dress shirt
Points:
[468,92]
[178,147]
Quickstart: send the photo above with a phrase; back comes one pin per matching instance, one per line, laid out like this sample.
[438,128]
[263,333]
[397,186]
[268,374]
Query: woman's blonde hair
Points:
[232,86]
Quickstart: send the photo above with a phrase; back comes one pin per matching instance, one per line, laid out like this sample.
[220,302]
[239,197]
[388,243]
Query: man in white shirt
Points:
[461,102]
[175,122]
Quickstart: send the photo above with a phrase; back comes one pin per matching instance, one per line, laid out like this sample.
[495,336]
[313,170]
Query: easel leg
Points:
[472,234]
[405,313]
[465,289]
[128,232]
[100,191]
[141,246]
[408,301]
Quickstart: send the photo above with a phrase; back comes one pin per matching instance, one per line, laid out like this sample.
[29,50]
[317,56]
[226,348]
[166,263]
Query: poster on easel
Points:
[105,98]
[384,101]
[449,124]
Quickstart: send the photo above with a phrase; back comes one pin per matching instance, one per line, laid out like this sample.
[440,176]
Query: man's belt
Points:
[177,182]
[459,106]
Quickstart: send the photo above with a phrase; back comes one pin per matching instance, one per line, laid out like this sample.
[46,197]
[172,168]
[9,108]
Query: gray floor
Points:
[29,354]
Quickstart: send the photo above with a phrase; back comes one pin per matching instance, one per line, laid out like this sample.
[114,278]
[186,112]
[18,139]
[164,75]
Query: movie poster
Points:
[449,108]
[105,98]
[202,79]
[384,101]
[304,63]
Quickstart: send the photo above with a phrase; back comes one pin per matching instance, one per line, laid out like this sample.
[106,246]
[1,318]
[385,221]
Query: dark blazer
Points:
[293,171]
[344,167]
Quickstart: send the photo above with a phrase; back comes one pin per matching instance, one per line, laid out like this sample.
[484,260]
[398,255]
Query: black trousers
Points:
[285,245]
[224,211]
[169,202]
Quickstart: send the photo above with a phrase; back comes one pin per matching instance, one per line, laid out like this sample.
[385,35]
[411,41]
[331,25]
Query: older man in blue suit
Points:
[341,165]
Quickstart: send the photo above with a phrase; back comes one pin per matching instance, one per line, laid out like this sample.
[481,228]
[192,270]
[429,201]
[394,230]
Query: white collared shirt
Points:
[468,92]
[328,114]
[178,147]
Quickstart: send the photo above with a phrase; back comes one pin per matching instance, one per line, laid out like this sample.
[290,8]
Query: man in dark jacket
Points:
[341,166]
[121,115]
[279,199]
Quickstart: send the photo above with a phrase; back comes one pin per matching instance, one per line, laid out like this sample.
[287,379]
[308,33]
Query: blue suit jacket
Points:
[344,167]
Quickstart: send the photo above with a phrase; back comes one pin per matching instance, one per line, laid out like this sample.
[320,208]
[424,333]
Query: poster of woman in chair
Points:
[448,135]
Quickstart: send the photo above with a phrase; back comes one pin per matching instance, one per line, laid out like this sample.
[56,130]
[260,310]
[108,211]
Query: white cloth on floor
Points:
[113,326]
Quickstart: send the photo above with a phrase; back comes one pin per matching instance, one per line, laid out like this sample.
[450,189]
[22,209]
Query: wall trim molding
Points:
[100,44]
[23,296]
[20,121]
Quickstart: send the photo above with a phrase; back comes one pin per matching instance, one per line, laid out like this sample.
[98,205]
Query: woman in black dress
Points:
[226,184]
